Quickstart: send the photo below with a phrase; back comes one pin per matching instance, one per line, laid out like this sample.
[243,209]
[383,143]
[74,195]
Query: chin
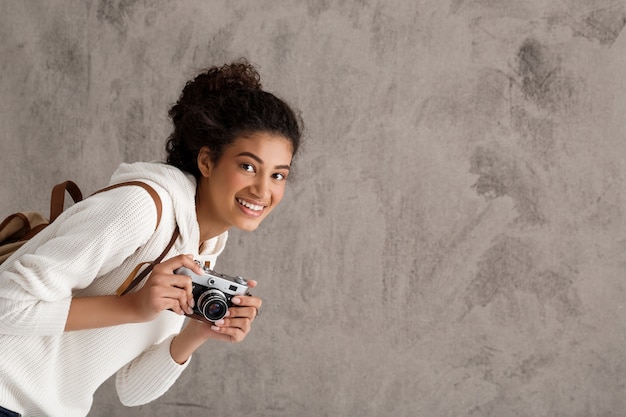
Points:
[249,227]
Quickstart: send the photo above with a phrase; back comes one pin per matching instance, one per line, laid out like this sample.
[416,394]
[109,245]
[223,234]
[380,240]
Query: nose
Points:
[261,188]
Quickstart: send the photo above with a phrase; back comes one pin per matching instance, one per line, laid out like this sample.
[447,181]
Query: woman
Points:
[63,332]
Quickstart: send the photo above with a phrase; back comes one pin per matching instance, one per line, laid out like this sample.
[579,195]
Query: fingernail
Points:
[236,300]
[191,302]
[227,314]
[215,328]
[219,322]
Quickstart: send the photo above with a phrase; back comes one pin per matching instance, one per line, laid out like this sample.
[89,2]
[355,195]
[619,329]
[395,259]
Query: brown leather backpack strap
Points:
[131,282]
[57,199]
[149,189]
[14,227]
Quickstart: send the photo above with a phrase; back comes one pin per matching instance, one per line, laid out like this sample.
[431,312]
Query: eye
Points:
[247,167]
[279,177]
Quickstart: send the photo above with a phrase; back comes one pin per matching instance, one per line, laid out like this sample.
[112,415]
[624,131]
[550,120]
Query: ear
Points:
[205,165]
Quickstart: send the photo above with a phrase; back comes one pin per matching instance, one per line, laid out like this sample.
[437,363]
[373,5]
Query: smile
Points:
[249,205]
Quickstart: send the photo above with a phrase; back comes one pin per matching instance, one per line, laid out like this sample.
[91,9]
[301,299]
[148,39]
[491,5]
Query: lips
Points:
[251,206]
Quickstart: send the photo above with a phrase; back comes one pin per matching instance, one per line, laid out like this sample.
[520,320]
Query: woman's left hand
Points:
[238,321]
[232,328]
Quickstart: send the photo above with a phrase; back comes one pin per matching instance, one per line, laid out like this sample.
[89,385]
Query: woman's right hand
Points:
[165,290]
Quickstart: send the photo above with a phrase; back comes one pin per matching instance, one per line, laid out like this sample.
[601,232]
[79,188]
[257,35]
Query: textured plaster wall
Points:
[455,243]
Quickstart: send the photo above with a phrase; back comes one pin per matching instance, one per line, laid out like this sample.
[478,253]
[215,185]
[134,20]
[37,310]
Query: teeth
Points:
[249,205]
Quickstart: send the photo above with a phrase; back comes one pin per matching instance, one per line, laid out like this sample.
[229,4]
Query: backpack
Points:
[18,228]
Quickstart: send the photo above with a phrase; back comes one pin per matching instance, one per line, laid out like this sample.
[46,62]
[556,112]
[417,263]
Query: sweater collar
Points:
[181,188]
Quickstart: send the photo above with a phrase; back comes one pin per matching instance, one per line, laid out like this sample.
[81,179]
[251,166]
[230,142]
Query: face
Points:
[244,185]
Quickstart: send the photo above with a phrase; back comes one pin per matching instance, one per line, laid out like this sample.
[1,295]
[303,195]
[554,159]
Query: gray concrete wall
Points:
[455,243]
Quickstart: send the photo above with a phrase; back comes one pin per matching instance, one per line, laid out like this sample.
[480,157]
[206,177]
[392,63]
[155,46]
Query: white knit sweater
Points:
[88,251]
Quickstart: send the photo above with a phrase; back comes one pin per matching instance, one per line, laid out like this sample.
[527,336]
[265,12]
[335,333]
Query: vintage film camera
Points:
[212,292]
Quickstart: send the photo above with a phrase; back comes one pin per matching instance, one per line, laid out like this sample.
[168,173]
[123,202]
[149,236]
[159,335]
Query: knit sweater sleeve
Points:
[148,376]
[86,241]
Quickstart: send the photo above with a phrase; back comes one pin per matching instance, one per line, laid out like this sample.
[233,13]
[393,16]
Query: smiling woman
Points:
[238,141]
[229,157]
[243,187]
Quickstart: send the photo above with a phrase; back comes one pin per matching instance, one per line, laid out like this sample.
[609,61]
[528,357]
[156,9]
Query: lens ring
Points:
[213,305]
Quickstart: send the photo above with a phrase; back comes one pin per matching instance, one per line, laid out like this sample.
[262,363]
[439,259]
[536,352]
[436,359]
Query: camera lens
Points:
[215,309]
[213,305]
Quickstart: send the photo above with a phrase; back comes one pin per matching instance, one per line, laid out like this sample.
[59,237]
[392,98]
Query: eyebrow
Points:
[260,161]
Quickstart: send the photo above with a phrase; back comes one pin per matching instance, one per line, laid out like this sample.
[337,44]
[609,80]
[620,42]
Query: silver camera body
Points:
[212,292]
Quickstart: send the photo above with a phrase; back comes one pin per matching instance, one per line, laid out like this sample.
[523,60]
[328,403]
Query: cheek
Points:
[277,195]
[235,181]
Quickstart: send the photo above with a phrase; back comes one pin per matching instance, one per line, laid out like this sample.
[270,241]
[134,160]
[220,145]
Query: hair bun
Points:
[238,75]
[218,106]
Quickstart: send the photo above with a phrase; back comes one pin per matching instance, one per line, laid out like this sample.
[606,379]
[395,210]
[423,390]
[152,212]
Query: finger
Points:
[251,283]
[164,298]
[234,334]
[180,282]
[251,303]
[175,298]
[173,305]
[243,324]
[183,281]
[243,312]
[247,301]
[179,261]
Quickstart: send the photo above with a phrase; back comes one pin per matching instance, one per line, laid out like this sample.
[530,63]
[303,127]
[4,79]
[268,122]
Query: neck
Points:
[208,223]
[208,229]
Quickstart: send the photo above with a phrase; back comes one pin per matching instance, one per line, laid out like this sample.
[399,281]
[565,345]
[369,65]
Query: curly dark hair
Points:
[220,105]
